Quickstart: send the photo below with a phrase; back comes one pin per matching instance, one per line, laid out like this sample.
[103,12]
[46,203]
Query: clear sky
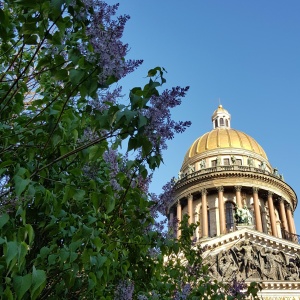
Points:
[247,53]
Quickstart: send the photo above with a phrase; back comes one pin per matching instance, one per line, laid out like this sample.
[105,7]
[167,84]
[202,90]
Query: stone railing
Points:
[227,169]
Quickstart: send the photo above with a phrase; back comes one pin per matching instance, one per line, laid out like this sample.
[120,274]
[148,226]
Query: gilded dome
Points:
[220,138]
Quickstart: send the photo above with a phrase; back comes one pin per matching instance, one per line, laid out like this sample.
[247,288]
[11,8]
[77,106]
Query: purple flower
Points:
[124,290]
[182,295]
[106,99]
[237,287]
[111,158]
[105,36]
[162,127]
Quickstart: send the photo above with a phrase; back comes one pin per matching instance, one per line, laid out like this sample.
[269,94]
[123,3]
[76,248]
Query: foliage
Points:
[76,221]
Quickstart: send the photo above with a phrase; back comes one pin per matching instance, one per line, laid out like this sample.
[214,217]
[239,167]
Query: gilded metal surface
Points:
[224,138]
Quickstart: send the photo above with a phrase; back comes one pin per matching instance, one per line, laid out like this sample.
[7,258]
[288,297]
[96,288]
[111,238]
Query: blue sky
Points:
[247,53]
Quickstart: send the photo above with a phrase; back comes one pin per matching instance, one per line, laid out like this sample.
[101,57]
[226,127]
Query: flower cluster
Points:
[105,36]
[161,127]
[237,287]
[124,290]
[162,202]
[183,294]
[111,158]
[103,101]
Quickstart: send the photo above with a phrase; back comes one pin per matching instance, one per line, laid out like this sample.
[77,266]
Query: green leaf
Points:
[79,195]
[31,39]
[20,184]
[142,121]
[11,251]
[110,204]
[22,284]
[30,232]
[76,76]
[3,220]
[38,282]
[8,293]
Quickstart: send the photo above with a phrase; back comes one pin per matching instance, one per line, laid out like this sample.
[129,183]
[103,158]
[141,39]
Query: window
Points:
[229,211]
[239,162]
[227,123]
[226,162]
[221,122]
[214,163]
[216,123]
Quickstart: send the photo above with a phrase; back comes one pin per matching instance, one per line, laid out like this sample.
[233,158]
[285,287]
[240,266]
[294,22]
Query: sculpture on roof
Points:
[191,169]
[243,216]
[250,161]
[202,164]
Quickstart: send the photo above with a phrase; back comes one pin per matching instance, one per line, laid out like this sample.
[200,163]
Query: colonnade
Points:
[285,212]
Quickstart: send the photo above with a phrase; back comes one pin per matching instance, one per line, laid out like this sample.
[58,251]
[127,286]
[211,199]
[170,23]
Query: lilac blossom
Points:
[106,99]
[183,294]
[124,290]
[111,158]
[142,183]
[105,36]
[161,127]
[237,287]
[163,201]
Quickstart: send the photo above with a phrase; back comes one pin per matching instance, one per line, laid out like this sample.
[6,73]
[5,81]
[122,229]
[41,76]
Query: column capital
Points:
[238,188]
[270,194]
[281,200]
[204,192]
[178,203]
[288,206]
[189,195]
[220,188]
[255,189]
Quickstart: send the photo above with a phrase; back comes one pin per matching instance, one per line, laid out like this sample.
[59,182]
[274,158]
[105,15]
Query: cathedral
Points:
[244,209]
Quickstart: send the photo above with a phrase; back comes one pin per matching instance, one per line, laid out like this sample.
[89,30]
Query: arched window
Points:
[229,210]
[221,122]
[227,123]
[216,123]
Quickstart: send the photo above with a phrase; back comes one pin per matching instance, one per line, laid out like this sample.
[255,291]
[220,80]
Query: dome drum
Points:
[242,207]
[234,171]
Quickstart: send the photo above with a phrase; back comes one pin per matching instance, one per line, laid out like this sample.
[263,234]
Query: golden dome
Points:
[220,138]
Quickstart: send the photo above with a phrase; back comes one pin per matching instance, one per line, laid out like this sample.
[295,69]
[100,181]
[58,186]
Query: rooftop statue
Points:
[243,216]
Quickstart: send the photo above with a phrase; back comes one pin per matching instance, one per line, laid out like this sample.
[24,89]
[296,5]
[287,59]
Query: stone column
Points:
[257,209]
[238,189]
[290,219]
[179,218]
[171,216]
[272,214]
[190,208]
[204,214]
[283,215]
[221,210]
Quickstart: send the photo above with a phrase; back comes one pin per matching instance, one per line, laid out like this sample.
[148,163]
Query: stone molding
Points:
[256,237]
